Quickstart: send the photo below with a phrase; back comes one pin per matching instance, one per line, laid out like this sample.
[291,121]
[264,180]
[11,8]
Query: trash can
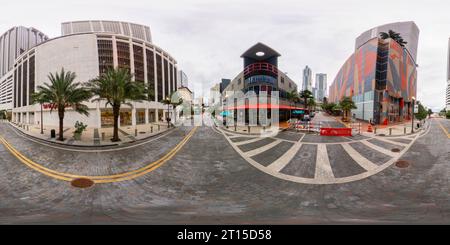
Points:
[52,133]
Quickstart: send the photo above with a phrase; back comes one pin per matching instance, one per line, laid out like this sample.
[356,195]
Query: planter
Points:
[77,136]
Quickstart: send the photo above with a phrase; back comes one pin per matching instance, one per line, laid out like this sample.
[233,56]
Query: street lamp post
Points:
[42,118]
[168,111]
[412,114]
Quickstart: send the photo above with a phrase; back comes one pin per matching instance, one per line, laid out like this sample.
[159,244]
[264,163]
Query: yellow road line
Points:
[99,179]
[443,128]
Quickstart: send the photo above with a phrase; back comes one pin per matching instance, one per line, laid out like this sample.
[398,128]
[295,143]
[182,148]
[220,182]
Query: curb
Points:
[13,126]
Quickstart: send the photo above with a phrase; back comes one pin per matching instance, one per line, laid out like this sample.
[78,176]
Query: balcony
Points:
[260,68]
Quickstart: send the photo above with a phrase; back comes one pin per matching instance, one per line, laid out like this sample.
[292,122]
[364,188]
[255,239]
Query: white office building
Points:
[89,48]
[307,79]
[321,86]
[13,43]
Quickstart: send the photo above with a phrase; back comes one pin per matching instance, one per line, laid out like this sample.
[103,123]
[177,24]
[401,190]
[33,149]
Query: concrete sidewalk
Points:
[94,136]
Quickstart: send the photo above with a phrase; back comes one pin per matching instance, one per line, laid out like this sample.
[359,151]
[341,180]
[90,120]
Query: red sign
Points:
[336,132]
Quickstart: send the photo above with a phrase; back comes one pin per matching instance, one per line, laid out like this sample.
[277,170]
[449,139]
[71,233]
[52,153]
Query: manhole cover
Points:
[395,150]
[402,164]
[381,135]
[82,183]
[142,132]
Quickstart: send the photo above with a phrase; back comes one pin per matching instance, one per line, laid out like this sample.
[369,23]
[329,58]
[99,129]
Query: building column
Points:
[146,114]
[157,115]
[99,115]
[133,116]
[27,117]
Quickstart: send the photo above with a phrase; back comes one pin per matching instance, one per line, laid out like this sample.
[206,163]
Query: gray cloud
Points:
[207,37]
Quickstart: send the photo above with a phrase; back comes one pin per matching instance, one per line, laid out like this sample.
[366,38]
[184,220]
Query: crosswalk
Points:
[292,157]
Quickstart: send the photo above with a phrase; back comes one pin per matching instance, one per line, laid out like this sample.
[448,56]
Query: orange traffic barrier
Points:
[369,128]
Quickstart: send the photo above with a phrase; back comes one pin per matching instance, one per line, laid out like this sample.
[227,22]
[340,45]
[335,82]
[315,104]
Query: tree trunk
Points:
[116,113]
[61,124]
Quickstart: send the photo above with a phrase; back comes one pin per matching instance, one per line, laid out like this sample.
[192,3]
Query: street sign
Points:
[416,108]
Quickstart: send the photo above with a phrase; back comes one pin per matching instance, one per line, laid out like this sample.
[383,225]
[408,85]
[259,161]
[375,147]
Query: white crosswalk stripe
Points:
[362,161]
[262,149]
[323,167]
[248,141]
[392,142]
[380,149]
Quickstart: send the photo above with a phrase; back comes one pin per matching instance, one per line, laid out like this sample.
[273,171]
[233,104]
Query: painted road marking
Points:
[99,179]
[380,149]
[443,128]
[262,149]
[248,141]
[391,142]
[362,161]
[323,166]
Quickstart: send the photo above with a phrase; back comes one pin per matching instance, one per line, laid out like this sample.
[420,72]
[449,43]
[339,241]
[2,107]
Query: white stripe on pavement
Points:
[362,161]
[391,142]
[248,141]
[262,149]
[323,167]
[380,149]
[281,162]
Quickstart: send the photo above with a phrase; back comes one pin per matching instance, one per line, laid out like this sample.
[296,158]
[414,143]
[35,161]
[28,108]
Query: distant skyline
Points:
[207,37]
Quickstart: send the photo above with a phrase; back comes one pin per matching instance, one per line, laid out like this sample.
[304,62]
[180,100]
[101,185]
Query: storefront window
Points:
[140,116]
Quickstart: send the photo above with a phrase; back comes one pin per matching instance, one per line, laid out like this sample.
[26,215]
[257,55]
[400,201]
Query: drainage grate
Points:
[402,164]
[82,183]
[395,150]
[381,135]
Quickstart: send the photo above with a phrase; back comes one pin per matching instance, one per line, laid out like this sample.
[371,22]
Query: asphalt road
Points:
[208,182]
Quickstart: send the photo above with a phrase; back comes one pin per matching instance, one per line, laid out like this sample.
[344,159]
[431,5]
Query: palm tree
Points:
[311,103]
[347,105]
[395,36]
[40,98]
[61,92]
[305,95]
[116,88]
[292,97]
[171,101]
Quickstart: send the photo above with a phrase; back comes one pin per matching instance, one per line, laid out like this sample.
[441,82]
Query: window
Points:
[138,63]
[159,76]
[282,79]
[173,86]
[24,84]
[150,74]
[123,55]
[166,78]
[105,55]
[31,78]
[19,89]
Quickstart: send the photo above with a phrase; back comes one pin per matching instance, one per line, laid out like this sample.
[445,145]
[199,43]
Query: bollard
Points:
[135,132]
[103,136]
[390,131]
[235,127]
[159,127]
[151,129]
[248,127]
[404,130]
[374,130]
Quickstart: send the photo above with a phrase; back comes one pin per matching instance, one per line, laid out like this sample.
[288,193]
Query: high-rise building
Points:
[447,96]
[408,31]
[321,86]
[381,78]
[307,79]
[13,43]
[183,80]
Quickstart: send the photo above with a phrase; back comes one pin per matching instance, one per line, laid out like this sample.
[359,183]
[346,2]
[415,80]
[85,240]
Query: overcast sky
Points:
[207,37]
